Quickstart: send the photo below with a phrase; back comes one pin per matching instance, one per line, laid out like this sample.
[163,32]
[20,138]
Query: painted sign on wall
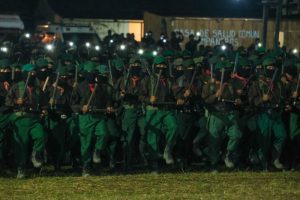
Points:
[215,36]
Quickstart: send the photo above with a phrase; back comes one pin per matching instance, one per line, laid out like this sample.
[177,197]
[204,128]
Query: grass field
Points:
[245,185]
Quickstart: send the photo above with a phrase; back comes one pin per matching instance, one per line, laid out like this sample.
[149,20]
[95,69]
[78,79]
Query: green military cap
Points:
[4,63]
[253,57]
[243,61]
[159,60]
[89,66]
[261,50]
[198,60]
[178,62]
[223,64]
[148,54]
[188,63]
[168,53]
[268,61]
[49,60]
[135,59]
[118,63]
[214,59]
[102,69]
[63,70]
[186,53]
[28,67]
[41,63]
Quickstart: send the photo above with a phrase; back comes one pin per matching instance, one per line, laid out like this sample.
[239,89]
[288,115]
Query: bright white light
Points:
[111,41]
[27,35]
[122,47]
[198,33]
[223,47]
[4,49]
[154,53]
[164,41]
[141,51]
[259,44]
[49,47]
[88,45]
[295,51]
[97,48]
[71,44]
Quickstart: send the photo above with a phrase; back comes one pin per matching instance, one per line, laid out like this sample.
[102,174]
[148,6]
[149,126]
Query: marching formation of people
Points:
[144,103]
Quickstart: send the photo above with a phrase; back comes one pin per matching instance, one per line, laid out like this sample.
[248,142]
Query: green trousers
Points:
[271,126]
[160,121]
[27,127]
[220,125]
[93,136]
[131,121]
[58,130]
[113,135]
[202,133]
[249,145]
[294,125]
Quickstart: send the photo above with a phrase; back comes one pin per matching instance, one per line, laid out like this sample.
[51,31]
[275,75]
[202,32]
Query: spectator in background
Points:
[192,44]
[147,40]
[176,39]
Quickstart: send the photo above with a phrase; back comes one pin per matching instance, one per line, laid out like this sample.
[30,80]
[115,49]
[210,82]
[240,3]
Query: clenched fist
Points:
[152,99]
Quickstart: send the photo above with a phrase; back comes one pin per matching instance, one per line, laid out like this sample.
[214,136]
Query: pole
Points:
[265,23]
[277,25]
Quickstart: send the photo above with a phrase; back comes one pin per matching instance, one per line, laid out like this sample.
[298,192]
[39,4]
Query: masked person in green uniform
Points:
[203,77]
[221,100]
[59,111]
[187,91]
[290,79]
[242,78]
[24,98]
[5,85]
[266,95]
[113,134]
[129,93]
[160,117]
[93,100]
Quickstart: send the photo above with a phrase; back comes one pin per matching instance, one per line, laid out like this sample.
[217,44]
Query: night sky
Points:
[133,9]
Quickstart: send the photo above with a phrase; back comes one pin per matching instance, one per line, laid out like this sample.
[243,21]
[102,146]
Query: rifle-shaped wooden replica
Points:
[236,63]
[75,82]
[110,73]
[192,80]
[46,83]
[222,81]
[170,68]
[154,90]
[53,98]
[127,79]
[26,85]
[211,72]
[272,81]
[283,65]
